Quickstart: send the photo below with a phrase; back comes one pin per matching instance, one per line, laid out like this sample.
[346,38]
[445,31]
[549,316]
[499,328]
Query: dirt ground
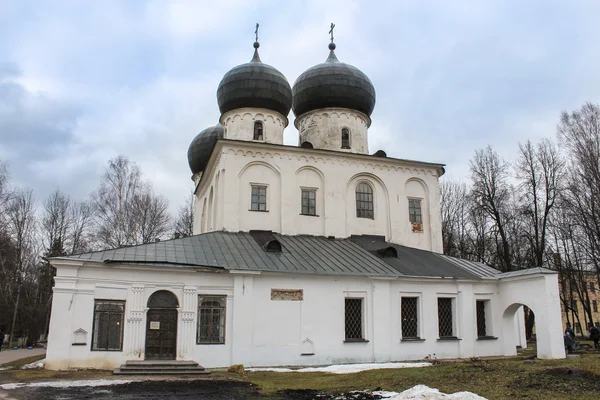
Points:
[210,389]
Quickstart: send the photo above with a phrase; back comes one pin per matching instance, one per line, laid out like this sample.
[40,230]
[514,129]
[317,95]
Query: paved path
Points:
[7,356]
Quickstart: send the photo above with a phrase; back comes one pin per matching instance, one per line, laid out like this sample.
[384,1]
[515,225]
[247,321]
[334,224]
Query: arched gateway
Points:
[161,326]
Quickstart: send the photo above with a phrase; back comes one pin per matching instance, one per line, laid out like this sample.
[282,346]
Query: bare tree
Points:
[20,215]
[149,216]
[184,224]
[82,217]
[580,133]
[56,222]
[540,171]
[491,193]
[126,209]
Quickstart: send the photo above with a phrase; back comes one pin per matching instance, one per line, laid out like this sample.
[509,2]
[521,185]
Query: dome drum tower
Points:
[254,100]
[333,102]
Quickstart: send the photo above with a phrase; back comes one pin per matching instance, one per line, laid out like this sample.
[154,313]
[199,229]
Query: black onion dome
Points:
[333,84]
[201,147]
[255,84]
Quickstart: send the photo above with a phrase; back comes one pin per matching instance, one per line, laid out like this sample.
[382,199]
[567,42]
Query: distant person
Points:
[595,336]
[569,331]
[568,342]
[1,339]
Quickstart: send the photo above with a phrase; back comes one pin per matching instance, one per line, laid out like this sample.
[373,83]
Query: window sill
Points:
[448,339]
[309,215]
[113,351]
[487,338]
[259,210]
[347,340]
[415,339]
[78,344]
[210,344]
[346,148]
[307,354]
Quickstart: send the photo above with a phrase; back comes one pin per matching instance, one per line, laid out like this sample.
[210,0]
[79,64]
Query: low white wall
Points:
[261,331]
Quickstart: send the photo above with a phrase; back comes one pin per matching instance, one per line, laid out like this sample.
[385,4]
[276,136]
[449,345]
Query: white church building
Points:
[312,254]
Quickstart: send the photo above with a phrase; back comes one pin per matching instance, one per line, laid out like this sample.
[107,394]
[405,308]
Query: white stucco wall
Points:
[261,331]
[286,170]
[239,124]
[323,129]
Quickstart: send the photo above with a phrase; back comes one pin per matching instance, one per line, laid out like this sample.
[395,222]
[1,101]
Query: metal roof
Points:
[416,262]
[302,254]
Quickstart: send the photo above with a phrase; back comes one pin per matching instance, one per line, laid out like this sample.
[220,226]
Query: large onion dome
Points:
[255,84]
[333,84]
[202,146]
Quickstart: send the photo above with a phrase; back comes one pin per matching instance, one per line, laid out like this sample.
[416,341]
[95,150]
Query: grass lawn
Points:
[573,378]
[498,379]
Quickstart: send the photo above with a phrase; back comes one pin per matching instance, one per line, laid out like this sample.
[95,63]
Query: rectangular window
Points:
[259,198]
[211,319]
[577,327]
[410,317]
[108,325]
[414,211]
[592,287]
[354,319]
[445,318]
[574,304]
[481,328]
[595,305]
[309,202]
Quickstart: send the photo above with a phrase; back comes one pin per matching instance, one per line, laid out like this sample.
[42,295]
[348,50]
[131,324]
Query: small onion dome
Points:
[333,84]
[201,147]
[255,84]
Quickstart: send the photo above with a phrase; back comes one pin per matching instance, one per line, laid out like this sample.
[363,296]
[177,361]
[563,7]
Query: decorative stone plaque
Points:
[287,294]
[154,324]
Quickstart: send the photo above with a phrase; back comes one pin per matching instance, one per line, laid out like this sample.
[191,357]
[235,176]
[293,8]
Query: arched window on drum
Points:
[364,201]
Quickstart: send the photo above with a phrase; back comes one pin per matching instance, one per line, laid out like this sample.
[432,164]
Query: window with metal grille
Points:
[481,328]
[364,200]
[445,318]
[258,131]
[410,319]
[354,321]
[259,198]
[309,202]
[414,211]
[595,305]
[211,319]
[107,332]
[345,138]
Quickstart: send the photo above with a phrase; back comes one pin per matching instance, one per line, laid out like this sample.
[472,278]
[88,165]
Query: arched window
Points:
[364,200]
[258,131]
[345,138]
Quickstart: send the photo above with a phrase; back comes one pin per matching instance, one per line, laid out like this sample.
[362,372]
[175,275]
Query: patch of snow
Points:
[35,365]
[422,392]
[344,368]
[66,384]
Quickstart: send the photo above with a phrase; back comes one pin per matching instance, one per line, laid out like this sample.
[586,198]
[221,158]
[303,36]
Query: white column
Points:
[465,307]
[135,329]
[548,322]
[59,337]
[382,321]
[242,320]
[187,327]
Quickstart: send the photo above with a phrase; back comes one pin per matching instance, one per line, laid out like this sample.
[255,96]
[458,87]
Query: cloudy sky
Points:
[84,81]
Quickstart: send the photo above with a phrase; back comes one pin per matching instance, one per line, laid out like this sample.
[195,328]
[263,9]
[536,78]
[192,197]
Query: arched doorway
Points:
[161,326]
[518,323]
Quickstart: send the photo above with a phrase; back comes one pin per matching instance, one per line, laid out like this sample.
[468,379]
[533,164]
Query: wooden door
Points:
[161,334]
